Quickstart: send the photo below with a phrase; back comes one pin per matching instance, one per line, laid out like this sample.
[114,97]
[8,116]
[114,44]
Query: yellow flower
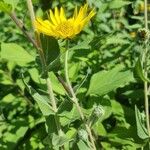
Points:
[59,26]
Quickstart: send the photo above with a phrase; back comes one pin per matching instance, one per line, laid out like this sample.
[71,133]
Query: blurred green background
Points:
[109,42]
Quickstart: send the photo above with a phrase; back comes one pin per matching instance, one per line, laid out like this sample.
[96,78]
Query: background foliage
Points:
[103,70]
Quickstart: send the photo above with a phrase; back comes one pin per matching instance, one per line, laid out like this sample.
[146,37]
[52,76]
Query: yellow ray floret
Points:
[59,26]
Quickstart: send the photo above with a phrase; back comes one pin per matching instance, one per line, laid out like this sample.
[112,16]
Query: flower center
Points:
[65,28]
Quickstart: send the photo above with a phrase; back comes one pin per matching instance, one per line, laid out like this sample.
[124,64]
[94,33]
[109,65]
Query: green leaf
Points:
[59,140]
[139,71]
[7,8]
[71,133]
[114,4]
[66,105]
[51,125]
[5,78]
[104,82]
[15,53]
[21,131]
[53,140]
[57,86]
[117,39]
[100,129]
[83,146]
[13,3]
[82,45]
[35,75]
[68,116]
[42,103]
[51,51]
[141,130]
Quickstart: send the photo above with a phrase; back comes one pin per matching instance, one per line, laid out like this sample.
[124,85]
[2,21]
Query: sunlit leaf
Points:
[15,53]
[104,82]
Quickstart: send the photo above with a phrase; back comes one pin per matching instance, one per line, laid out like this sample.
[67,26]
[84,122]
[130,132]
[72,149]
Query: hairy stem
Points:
[75,100]
[44,65]
[48,81]
[21,26]
[145,71]
[42,57]
[31,11]
[51,94]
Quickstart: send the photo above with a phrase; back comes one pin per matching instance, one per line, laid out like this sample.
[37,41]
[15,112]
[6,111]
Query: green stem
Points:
[75,100]
[42,58]
[145,71]
[44,66]
[31,11]
[51,94]
[21,26]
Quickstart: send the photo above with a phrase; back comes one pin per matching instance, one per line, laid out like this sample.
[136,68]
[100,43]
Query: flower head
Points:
[59,26]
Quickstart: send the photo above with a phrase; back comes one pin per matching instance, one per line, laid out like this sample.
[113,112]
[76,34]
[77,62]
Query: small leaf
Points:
[141,130]
[7,8]
[104,82]
[139,71]
[42,103]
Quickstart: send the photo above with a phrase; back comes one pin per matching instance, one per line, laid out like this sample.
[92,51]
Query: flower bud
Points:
[143,34]
[98,111]
[83,135]
[96,114]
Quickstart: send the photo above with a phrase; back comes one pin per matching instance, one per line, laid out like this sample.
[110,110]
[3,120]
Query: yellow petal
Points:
[52,17]
[85,7]
[44,26]
[75,12]
[81,14]
[91,14]
[41,23]
[57,17]
[62,15]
